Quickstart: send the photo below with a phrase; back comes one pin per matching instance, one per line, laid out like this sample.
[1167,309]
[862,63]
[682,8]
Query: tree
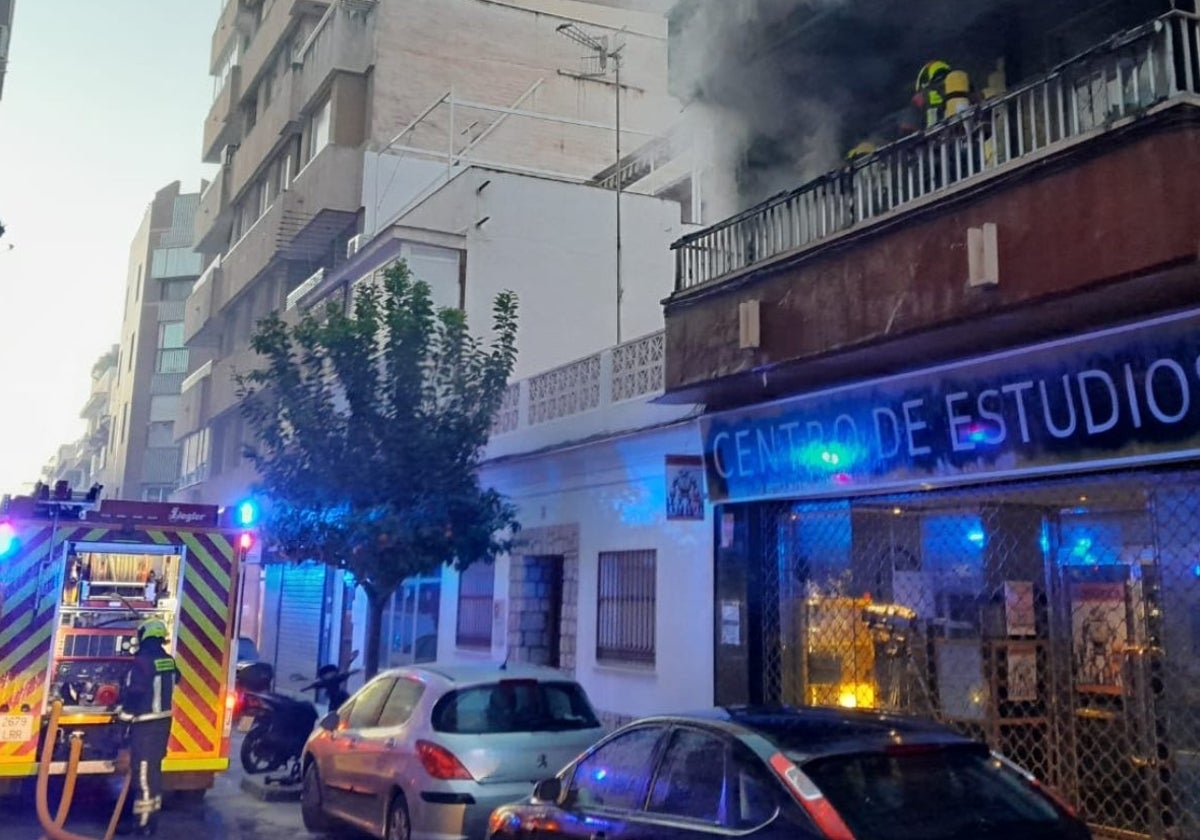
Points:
[369,428]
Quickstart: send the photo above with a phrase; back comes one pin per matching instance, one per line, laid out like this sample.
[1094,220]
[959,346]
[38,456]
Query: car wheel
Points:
[256,756]
[398,827]
[312,802]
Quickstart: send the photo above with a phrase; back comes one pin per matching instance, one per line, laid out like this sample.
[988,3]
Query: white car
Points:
[427,752]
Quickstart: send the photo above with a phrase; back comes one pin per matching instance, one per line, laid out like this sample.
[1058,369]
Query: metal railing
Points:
[1083,97]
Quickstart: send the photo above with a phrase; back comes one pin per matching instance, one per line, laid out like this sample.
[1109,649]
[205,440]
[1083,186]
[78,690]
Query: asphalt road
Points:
[226,812]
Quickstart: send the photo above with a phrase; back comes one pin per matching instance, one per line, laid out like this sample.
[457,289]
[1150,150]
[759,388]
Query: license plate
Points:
[245,724]
[16,728]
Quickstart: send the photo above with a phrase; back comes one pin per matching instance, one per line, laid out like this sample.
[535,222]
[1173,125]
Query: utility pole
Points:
[603,53]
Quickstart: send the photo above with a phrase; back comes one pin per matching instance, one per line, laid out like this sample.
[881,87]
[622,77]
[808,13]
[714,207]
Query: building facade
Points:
[151,358]
[7,8]
[333,119]
[951,434]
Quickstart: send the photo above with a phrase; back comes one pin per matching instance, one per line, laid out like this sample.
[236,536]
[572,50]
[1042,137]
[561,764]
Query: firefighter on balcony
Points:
[940,92]
[145,705]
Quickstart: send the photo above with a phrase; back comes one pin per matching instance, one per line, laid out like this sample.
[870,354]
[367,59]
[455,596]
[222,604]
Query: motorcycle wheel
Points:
[257,756]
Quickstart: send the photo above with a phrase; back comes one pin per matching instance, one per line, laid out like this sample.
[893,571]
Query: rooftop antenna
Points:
[596,66]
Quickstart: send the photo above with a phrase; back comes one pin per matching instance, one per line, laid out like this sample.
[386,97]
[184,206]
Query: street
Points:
[227,812]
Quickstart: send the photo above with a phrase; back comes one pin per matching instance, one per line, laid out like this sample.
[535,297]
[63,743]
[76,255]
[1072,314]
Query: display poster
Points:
[1022,673]
[685,487]
[1099,630]
[1020,617]
[731,623]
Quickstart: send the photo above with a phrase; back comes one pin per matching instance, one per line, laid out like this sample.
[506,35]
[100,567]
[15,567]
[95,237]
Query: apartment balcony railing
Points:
[1153,65]
[196,476]
[619,374]
[311,282]
[221,123]
[277,18]
[214,216]
[342,41]
[198,328]
[277,118]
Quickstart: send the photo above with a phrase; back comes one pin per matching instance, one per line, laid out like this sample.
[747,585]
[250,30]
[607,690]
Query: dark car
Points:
[824,774]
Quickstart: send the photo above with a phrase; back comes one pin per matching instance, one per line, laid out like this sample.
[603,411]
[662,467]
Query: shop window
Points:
[412,622]
[625,607]
[476,585]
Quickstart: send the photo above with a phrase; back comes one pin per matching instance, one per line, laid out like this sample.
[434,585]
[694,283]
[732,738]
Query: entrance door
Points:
[538,604]
[1112,622]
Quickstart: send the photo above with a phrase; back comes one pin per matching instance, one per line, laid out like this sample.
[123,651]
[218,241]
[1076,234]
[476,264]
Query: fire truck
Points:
[77,576]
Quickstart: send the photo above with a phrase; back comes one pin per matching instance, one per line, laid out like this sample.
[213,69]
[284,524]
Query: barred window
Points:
[475,590]
[625,607]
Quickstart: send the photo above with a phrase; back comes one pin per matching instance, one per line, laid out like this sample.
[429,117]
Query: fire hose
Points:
[54,827]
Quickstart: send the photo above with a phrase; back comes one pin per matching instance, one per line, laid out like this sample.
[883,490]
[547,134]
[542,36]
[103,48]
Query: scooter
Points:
[277,725]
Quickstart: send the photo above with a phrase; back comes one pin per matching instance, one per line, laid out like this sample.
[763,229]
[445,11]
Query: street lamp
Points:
[603,53]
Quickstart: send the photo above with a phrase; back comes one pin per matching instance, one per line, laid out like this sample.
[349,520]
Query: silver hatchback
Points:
[427,752]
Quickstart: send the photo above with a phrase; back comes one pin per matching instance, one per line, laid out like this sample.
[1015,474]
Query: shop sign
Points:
[1128,395]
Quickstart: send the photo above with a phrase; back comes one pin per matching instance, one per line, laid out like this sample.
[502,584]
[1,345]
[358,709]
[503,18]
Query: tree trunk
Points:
[375,606]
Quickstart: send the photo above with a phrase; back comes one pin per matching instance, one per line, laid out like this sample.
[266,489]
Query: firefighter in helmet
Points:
[940,92]
[145,705]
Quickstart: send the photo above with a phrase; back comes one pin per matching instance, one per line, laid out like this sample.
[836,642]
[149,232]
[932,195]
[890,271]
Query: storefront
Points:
[1009,543]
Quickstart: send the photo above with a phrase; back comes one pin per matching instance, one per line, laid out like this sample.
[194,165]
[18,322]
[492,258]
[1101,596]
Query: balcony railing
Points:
[1078,100]
[625,372]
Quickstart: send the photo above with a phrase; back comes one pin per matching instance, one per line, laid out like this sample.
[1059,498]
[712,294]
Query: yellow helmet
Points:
[930,72]
[153,628]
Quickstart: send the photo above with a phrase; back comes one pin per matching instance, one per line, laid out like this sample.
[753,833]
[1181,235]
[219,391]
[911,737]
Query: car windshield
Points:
[514,706]
[958,793]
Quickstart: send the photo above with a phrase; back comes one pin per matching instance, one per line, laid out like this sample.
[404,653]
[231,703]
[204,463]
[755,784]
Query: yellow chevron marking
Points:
[214,568]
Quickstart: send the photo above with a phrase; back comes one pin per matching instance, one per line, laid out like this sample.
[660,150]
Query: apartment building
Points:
[331,118]
[85,462]
[151,358]
[951,436]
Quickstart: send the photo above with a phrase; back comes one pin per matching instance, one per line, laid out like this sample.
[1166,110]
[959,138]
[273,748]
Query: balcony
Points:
[251,254]
[323,201]
[220,126]
[604,393]
[235,21]
[214,215]
[198,327]
[194,402]
[275,121]
[342,42]
[1082,172]
[278,17]
[222,393]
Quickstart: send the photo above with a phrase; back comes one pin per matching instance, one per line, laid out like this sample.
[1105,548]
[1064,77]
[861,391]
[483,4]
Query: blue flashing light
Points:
[977,433]
[1196,570]
[600,774]
[247,513]
[976,536]
[8,539]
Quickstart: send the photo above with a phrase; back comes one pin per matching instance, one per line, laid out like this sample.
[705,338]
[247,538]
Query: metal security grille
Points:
[1060,621]
[625,606]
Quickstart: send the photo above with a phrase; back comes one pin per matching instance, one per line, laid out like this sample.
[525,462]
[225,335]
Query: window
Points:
[172,361]
[176,289]
[170,334]
[137,290]
[318,136]
[401,703]
[368,704]
[160,434]
[475,589]
[163,408]
[615,776]
[625,607]
[156,493]
[129,358]
[692,777]
[515,706]
[174,262]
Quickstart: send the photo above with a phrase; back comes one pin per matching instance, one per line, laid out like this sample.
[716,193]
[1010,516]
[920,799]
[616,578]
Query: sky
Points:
[104,103]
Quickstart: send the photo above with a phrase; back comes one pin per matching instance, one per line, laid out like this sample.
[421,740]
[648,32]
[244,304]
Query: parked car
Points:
[431,750]
[800,774]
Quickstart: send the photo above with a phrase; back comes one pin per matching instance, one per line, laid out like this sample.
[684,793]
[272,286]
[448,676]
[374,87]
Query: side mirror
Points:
[330,722]
[547,790]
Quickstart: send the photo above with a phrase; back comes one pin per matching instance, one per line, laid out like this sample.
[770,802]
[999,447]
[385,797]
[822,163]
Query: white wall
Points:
[554,244]
[615,491]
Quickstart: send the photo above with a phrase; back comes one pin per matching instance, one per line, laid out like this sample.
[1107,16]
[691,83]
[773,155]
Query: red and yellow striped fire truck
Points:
[77,576]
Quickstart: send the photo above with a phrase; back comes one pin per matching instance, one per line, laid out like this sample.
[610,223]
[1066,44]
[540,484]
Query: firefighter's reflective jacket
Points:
[150,684]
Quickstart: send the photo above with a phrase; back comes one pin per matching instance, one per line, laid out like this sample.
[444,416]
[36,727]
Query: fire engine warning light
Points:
[245,541]
[8,539]
[247,513]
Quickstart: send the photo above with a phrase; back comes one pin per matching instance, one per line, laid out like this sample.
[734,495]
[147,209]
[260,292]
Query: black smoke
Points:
[794,84]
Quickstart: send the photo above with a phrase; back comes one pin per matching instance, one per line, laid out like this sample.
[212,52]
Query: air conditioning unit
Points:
[354,244]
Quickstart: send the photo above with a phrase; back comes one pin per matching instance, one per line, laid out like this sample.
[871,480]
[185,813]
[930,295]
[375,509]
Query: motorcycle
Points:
[278,725]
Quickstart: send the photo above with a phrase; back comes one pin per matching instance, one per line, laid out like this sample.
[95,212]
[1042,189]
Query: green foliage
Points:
[369,427]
